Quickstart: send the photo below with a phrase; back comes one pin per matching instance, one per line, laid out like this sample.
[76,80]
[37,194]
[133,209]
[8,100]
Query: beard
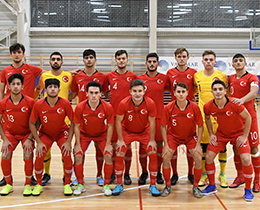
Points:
[55,67]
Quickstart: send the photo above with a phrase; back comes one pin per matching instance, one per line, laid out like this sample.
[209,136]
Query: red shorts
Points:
[245,148]
[253,136]
[173,143]
[158,134]
[16,139]
[114,136]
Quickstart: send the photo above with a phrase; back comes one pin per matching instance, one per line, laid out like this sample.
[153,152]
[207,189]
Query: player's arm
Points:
[6,142]
[107,94]
[248,97]
[72,95]
[120,142]
[38,89]
[152,141]
[212,137]
[2,90]
[66,147]
[109,147]
[77,147]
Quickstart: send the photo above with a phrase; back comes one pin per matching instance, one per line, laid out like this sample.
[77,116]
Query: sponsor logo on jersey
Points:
[84,115]
[43,112]
[8,110]
[9,73]
[129,111]
[65,79]
[173,115]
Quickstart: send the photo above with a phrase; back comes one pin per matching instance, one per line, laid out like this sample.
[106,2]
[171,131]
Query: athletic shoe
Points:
[6,190]
[45,179]
[3,181]
[256,188]
[118,190]
[27,190]
[238,181]
[67,190]
[106,190]
[174,179]
[154,191]
[79,189]
[127,179]
[33,181]
[142,179]
[71,182]
[223,180]
[166,191]
[191,178]
[37,190]
[197,192]
[209,189]
[203,180]
[100,181]
[112,179]
[159,178]
[248,196]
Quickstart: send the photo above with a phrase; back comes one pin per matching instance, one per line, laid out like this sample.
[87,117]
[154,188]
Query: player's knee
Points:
[7,155]
[27,155]
[108,159]
[245,159]
[254,151]
[209,158]
[78,159]
[120,154]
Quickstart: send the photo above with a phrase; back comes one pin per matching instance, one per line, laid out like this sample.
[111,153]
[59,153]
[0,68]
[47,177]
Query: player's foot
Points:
[33,181]
[118,190]
[6,190]
[106,190]
[79,189]
[238,181]
[209,189]
[67,190]
[223,181]
[100,181]
[174,179]
[248,196]
[142,178]
[197,192]
[112,179]
[159,178]
[256,188]
[191,178]
[37,190]
[166,191]
[203,180]
[127,179]
[45,179]
[27,191]
[2,182]
[154,191]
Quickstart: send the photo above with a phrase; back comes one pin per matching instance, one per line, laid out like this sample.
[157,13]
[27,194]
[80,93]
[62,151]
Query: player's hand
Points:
[213,140]
[238,101]
[77,149]
[5,146]
[66,148]
[27,146]
[165,150]
[120,144]
[76,71]
[39,149]
[241,140]
[109,149]
[152,144]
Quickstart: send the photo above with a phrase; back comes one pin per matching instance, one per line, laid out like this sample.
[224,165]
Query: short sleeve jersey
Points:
[93,122]
[241,87]
[154,89]
[182,123]
[80,81]
[228,118]
[52,118]
[30,74]
[136,118]
[176,76]
[119,86]
[17,115]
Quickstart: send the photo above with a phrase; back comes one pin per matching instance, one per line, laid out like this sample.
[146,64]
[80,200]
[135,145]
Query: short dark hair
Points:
[52,81]
[89,52]
[209,52]
[120,52]
[56,53]
[94,84]
[137,82]
[181,50]
[218,82]
[16,47]
[239,55]
[152,55]
[181,84]
[15,76]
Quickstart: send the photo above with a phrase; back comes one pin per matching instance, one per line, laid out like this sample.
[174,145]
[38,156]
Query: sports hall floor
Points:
[134,197]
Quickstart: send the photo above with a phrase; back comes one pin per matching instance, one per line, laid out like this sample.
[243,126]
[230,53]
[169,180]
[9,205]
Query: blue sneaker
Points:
[154,191]
[100,181]
[118,190]
[248,195]
[209,189]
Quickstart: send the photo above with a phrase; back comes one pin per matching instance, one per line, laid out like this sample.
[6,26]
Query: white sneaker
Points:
[106,190]
[80,189]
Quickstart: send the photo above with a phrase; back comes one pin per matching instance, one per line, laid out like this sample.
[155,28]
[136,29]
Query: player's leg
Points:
[113,141]
[99,162]
[159,141]
[143,163]
[222,158]
[128,161]
[190,167]
[47,165]
[175,177]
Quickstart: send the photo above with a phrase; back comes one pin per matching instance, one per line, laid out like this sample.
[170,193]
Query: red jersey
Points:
[241,87]
[80,81]
[30,74]
[154,89]
[182,123]
[52,118]
[92,122]
[228,118]
[17,116]
[119,86]
[136,118]
[176,76]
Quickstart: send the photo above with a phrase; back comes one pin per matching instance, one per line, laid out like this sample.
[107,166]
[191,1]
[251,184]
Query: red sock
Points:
[256,165]
[159,158]
[174,163]
[108,169]
[153,168]
[248,174]
[79,173]
[67,168]
[38,166]
[99,160]
[167,176]
[28,169]
[6,168]
[128,160]
[119,168]
[238,166]
[197,175]
[143,159]
[210,169]
[190,162]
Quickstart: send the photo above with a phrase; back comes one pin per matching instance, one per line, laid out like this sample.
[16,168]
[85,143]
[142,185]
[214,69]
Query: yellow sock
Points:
[222,157]
[47,162]
[203,163]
